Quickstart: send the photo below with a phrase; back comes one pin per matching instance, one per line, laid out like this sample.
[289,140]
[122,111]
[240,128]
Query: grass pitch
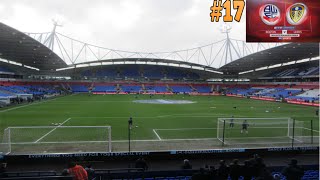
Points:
[153,124]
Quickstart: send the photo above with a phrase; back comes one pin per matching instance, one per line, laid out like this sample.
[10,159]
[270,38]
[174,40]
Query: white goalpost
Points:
[147,91]
[56,139]
[232,131]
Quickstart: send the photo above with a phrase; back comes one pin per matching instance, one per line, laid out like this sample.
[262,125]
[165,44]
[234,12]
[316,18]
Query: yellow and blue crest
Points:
[297,13]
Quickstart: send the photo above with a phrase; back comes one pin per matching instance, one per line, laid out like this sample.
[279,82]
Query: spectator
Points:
[258,167]
[141,163]
[201,175]
[212,172]
[223,170]
[77,171]
[65,172]
[235,170]
[293,171]
[247,170]
[186,164]
[90,172]
[3,170]
[265,174]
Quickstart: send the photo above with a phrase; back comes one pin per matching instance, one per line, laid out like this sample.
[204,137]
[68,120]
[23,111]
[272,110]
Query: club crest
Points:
[270,14]
[297,13]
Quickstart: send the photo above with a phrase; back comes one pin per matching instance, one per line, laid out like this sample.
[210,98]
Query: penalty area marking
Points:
[155,132]
[51,131]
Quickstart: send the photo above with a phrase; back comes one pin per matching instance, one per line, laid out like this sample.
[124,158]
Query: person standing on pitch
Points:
[231,125]
[245,127]
[130,122]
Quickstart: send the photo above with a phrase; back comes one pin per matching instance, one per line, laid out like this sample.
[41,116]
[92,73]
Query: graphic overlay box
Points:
[283,21]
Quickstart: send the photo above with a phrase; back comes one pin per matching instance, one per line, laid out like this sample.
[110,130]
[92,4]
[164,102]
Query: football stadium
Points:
[63,99]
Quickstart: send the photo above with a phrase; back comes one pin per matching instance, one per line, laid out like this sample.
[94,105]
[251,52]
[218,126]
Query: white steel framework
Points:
[214,55]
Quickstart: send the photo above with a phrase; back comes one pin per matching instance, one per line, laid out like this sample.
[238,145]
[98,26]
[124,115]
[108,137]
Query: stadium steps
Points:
[92,85]
[68,86]
[63,86]
[212,88]
[300,93]
[118,88]
[169,89]
[192,88]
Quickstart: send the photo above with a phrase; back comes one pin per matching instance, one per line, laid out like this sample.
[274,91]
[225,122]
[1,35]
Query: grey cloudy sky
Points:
[134,25]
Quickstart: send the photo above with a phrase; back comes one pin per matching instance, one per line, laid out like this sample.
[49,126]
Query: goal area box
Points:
[56,139]
[260,131]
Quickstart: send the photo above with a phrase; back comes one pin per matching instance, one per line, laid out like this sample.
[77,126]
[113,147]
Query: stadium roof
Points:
[277,55]
[145,61]
[19,47]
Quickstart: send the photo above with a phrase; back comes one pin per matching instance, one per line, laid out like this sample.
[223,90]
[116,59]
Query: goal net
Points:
[147,92]
[56,139]
[259,131]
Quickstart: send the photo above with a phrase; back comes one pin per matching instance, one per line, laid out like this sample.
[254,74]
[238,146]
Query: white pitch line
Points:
[25,105]
[155,132]
[182,129]
[51,130]
[295,139]
[34,103]
[311,129]
[120,117]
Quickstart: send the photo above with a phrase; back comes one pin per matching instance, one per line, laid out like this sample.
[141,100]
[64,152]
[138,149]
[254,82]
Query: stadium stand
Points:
[181,89]
[5,70]
[254,169]
[157,88]
[175,74]
[104,88]
[137,72]
[131,72]
[281,93]
[309,95]
[79,88]
[28,89]
[108,72]
[130,88]
[153,72]
[297,71]
[202,88]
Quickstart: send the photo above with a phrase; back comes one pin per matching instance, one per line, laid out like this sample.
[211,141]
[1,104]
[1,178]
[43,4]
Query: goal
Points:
[147,92]
[260,131]
[56,139]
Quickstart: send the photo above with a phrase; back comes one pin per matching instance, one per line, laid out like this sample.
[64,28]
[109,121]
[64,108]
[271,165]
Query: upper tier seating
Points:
[153,72]
[5,70]
[301,71]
